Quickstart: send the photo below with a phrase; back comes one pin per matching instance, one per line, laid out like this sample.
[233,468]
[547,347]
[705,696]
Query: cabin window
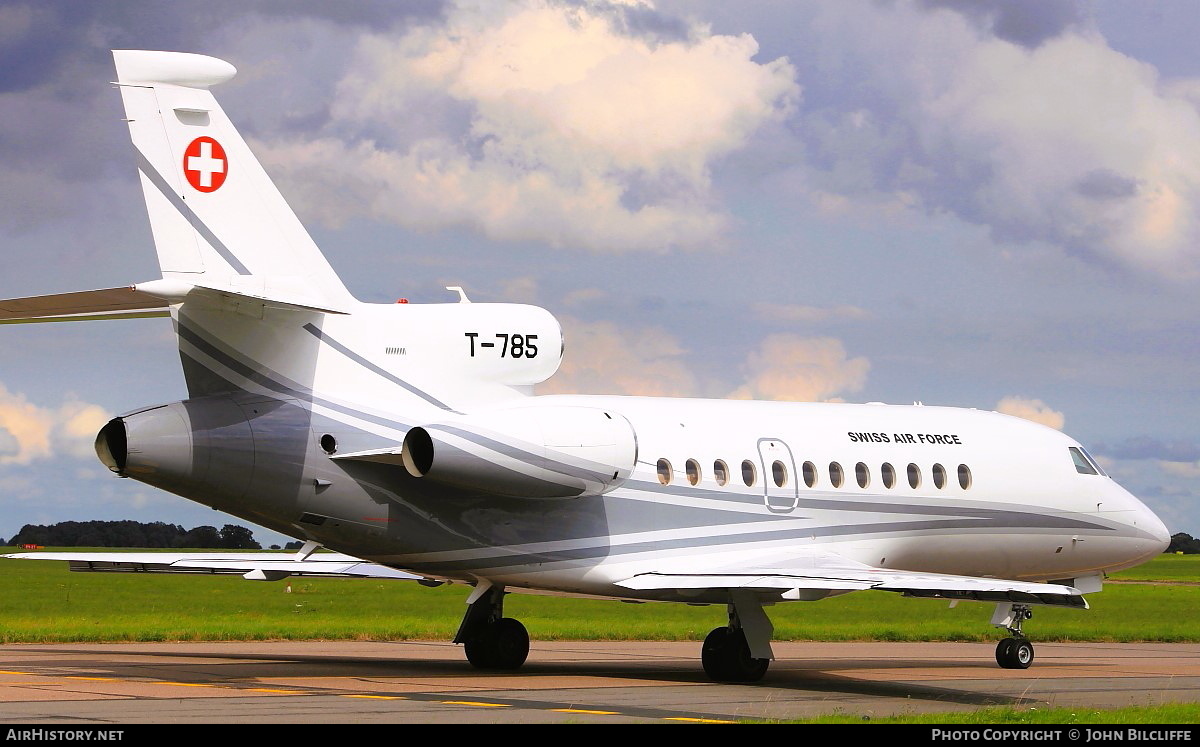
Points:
[964,476]
[835,474]
[888,473]
[664,471]
[692,469]
[862,474]
[939,476]
[810,474]
[914,476]
[720,472]
[779,473]
[749,473]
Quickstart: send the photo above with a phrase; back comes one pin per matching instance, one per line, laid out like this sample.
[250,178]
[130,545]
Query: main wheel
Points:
[503,644]
[1014,653]
[510,643]
[479,650]
[726,657]
[713,655]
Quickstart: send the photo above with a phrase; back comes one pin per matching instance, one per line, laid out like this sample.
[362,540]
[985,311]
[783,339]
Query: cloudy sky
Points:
[980,204]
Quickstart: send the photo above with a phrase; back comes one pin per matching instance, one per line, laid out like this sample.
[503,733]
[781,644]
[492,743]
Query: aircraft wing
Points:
[823,571]
[108,303]
[252,566]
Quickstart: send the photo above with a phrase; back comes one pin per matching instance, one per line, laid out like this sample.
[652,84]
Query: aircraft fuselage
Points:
[716,483]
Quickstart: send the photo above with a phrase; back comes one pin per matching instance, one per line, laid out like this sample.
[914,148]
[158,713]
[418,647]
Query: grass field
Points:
[41,601]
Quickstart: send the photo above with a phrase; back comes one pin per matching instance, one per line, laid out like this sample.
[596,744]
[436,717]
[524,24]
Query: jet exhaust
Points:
[112,445]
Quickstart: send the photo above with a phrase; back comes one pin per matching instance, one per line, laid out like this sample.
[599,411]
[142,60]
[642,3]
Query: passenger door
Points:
[781,491]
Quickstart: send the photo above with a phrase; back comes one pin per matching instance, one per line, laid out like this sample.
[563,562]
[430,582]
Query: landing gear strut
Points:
[740,651]
[491,640]
[1015,652]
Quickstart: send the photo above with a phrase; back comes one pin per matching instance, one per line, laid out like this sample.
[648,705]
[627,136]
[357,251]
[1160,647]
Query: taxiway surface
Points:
[564,681]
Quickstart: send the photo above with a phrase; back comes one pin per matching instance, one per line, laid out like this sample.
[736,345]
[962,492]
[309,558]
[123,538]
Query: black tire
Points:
[713,655]
[1014,653]
[503,644]
[726,657]
[1002,651]
[479,651]
[510,643]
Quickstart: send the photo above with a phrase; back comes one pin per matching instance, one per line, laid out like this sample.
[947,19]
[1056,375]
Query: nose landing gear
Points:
[1015,652]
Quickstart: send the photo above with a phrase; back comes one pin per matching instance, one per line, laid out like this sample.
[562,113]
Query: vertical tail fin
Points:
[218,220]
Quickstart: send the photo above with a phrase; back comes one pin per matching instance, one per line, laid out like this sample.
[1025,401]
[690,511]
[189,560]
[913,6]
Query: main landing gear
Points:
[1015,652]
[491,640]
[740,651]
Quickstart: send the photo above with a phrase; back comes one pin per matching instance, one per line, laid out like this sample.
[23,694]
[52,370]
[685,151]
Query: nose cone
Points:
[1140,535]
[1157,529]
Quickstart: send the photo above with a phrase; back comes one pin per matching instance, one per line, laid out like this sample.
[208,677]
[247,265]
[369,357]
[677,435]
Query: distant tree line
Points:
[135,534]
[1184,543]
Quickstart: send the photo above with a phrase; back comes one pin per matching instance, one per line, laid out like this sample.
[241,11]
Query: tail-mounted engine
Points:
[215,450]
[528,452]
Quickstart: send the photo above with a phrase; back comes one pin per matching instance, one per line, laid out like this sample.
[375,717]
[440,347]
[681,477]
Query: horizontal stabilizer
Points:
[256,566]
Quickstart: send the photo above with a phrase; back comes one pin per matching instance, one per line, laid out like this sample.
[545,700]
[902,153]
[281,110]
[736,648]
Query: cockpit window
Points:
[1093,461]
[1084,464]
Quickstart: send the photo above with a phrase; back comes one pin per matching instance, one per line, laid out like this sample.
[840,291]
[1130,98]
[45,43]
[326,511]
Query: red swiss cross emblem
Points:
[205,164]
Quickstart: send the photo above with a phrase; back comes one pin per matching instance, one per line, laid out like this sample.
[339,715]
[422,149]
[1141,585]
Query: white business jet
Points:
[406,438]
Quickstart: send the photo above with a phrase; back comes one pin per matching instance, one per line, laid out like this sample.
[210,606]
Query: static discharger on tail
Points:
[406,438]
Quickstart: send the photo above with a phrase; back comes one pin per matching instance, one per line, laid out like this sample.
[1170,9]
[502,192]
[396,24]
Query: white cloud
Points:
[1031,409]
[802,369]
[77,424]
[602,358]
[519,290]
[9,446]
[1066,141]
[28,424]
[538,121]
[29,431]
[1189,470]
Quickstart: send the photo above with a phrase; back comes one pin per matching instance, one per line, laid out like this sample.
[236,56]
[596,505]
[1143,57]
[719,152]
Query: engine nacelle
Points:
[526,452]
[206,449]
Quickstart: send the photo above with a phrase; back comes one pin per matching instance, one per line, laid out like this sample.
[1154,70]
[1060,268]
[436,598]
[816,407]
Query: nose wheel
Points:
[1015,652]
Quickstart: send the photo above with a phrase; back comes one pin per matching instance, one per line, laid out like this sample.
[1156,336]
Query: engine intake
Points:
[527,452]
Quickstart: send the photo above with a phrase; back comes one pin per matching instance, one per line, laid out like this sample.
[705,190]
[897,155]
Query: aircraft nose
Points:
[1153,535]
[1140,534]
[1157,529]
